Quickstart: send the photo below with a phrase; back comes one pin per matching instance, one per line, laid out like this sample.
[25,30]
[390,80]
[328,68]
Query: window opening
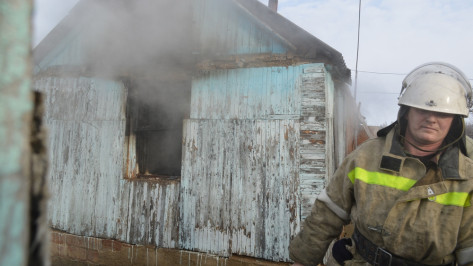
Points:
[155,114]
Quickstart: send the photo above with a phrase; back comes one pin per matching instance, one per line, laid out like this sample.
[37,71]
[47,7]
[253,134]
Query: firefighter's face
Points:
[427,128]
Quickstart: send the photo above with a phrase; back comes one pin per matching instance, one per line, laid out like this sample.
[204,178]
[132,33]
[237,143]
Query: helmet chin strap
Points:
[420,149]
[439,149]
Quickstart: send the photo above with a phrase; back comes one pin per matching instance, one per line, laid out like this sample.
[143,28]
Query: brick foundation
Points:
[67,249]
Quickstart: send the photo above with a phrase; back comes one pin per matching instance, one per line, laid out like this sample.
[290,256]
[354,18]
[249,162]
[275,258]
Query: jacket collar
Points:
[394,156]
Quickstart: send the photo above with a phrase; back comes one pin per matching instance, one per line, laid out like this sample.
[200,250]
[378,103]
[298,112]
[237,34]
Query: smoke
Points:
[126,37]
[152,46]
[148,45]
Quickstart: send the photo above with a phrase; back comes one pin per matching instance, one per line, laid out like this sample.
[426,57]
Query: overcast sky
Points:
[395,37]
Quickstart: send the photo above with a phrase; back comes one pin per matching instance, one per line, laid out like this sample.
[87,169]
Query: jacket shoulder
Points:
[371,148]
[377,143]
[469,147]
[466,161]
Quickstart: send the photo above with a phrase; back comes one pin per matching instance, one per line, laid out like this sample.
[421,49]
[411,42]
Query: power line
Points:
[357,49]
[356,71]
[381,73]
[385,73]
[378,92]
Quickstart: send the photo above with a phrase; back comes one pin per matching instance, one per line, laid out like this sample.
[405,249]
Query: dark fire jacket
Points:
[375,187]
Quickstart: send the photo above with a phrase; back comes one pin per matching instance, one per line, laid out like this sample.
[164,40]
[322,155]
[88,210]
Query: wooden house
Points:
[180,130]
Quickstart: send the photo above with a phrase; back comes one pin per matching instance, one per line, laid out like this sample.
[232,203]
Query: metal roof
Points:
[301,42]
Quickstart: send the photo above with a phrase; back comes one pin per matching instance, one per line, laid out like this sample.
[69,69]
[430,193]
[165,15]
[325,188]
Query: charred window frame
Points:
[155,114]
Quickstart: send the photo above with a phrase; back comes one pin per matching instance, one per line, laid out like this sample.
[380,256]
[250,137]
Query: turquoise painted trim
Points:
[12,223]
[15,108]
[15,82]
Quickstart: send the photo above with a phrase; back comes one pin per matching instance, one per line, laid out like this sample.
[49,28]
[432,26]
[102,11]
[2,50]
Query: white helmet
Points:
[437,87]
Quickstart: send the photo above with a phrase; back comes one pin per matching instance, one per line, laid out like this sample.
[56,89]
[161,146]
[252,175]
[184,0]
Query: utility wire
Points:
[381,73]
[357,124]
[357,49]
[385,73]
[378,92]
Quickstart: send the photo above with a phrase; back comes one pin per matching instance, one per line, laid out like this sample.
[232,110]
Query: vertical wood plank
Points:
[242,203]
[313,142]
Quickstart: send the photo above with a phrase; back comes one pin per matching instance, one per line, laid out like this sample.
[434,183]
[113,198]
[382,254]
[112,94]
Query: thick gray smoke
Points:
[147,44]
[130,36]
[152,46]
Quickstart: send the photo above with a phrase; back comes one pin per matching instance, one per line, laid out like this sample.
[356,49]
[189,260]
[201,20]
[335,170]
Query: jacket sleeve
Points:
[464,250]
[330,212]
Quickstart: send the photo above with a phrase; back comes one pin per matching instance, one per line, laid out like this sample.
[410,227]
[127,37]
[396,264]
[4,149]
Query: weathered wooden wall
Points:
[89,194]
[317,152]
[239,187]
[247,93]
[257,151]
[251,167]
[86,121]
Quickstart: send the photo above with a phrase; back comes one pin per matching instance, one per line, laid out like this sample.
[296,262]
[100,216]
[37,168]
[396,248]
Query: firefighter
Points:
[408,191]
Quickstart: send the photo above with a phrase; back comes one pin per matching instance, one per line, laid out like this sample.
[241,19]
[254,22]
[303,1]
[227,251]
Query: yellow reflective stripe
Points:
[461,199]
[382,179]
